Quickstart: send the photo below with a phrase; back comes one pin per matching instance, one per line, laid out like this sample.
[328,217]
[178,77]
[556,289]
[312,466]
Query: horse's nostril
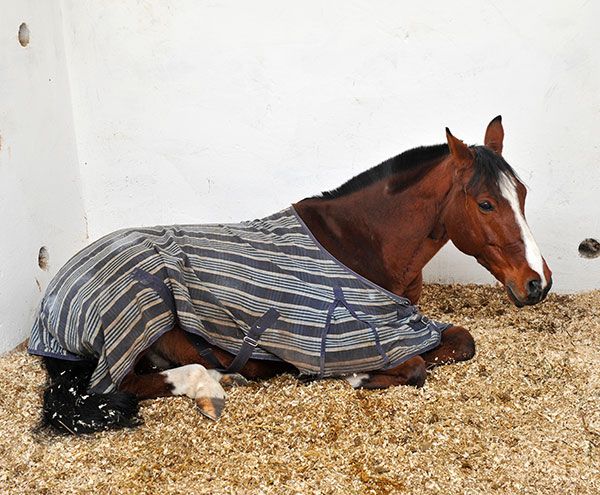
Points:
[535,288]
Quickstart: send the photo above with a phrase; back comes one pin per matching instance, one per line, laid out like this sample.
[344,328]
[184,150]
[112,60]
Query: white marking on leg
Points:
[356,379]
[227,380]
[215,375]
[195,381]
[508,189]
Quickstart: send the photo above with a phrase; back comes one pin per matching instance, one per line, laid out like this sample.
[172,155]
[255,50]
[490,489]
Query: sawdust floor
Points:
[522,417]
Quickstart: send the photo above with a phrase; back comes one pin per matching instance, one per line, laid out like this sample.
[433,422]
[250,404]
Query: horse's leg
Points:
[457,344]
[175,346]
[192,380]
[411,372]
[413,291]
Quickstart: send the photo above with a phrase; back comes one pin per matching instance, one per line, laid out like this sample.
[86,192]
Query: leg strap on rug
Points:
[205,350]
[251,340]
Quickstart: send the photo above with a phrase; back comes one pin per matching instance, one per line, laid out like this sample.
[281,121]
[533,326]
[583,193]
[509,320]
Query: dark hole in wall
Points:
[589,248]
[23,34]
[43,258]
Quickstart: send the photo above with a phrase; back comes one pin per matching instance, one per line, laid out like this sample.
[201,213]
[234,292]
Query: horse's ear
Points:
[458,149]
[494,135]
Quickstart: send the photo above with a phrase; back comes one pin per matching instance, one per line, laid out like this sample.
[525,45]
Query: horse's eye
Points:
[486,206]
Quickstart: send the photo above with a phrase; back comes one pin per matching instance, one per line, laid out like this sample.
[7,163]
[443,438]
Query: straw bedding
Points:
[522,417]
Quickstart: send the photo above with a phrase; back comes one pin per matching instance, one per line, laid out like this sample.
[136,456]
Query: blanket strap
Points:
[340,300]
[204,349]
[251,340]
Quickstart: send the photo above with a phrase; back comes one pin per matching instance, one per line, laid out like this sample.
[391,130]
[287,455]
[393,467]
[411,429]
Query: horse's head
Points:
[484,217]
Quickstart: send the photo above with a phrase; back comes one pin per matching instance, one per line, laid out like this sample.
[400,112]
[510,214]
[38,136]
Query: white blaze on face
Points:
[508,189]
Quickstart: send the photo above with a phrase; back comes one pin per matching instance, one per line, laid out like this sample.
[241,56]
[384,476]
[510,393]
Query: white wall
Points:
[196,111]
[193,111]
[40,193]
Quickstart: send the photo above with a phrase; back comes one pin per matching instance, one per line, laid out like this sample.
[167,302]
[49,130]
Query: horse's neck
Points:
[387,238]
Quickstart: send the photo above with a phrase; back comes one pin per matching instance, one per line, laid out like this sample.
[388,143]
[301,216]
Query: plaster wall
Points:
[186,111]
[220,111]
[40,191]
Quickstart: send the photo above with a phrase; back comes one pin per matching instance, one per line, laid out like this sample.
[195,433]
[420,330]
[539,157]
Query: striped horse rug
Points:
[264,288]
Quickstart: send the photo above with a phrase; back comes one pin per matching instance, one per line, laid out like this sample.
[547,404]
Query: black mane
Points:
[405,161]
[488,167]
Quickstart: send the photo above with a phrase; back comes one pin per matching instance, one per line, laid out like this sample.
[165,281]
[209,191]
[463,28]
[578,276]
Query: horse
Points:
[377,231]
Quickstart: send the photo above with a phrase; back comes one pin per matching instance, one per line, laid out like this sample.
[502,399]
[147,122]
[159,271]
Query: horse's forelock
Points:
[488,169]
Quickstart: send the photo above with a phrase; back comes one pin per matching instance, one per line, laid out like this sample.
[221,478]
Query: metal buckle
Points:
[250,340]
[415,317]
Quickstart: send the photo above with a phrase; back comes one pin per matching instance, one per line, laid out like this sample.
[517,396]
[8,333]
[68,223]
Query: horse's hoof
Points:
[233,380]
[210,407]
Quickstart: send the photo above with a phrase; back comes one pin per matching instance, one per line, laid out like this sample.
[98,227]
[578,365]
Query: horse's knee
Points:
[457,344]
[461,341]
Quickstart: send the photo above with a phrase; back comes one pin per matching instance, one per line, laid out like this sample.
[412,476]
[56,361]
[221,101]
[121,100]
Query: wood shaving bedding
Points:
[522,417]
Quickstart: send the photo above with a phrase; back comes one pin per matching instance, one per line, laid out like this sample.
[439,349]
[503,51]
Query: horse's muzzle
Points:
[535,293]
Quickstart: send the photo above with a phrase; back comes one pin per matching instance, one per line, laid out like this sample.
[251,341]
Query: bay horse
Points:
[382,226]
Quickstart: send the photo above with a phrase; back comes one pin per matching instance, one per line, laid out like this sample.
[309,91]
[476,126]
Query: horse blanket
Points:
[267,284]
